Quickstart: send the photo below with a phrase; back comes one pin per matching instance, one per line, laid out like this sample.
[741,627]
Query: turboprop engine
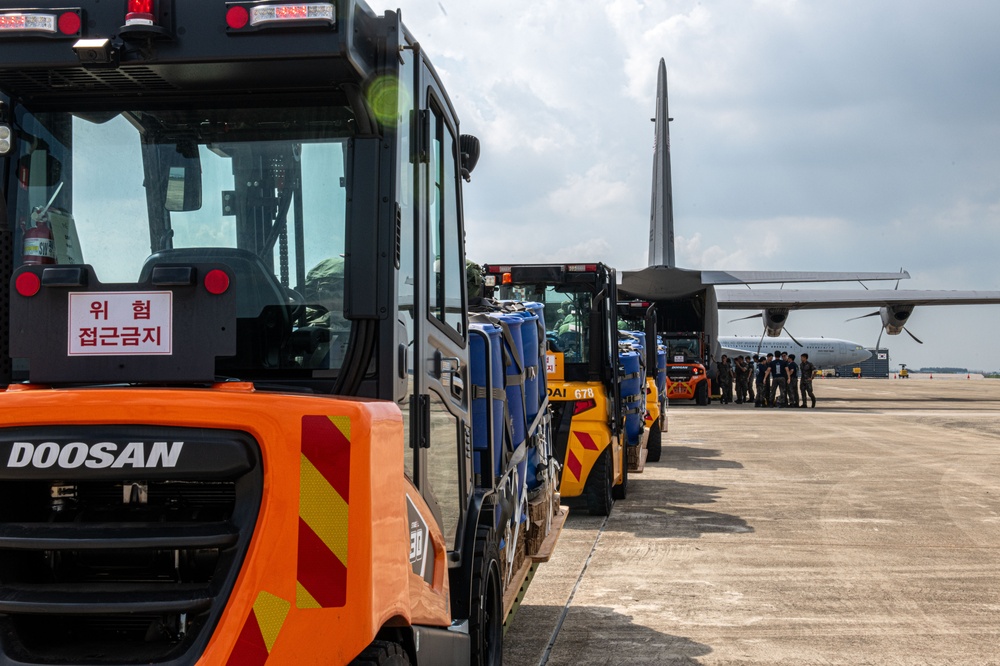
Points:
[774,321]
[894,318]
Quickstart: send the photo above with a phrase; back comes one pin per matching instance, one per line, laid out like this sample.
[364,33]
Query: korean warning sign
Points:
[120,323]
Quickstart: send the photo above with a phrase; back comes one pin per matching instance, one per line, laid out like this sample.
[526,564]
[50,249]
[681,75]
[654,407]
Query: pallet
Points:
[521,579]
[637,454]
[637,457]
[519,583]
[549,544]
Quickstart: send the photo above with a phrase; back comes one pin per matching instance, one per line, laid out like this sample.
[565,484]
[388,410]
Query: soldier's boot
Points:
[814,401]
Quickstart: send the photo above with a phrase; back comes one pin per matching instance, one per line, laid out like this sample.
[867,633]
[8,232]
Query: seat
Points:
[255,285]
[263,311]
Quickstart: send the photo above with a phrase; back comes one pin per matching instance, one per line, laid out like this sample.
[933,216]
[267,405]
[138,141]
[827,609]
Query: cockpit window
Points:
[262,190]
[687,348]
[567,317]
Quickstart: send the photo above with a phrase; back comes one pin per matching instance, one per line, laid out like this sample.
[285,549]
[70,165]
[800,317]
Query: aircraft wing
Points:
[814,299]
[772,277]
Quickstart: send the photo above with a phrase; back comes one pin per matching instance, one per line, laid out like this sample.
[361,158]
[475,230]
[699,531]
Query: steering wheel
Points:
[295,302]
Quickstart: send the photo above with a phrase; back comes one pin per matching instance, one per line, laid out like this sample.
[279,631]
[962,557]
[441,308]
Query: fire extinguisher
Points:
[39,243]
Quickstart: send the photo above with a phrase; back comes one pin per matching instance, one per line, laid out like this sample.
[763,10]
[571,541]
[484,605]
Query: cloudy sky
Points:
[848,135]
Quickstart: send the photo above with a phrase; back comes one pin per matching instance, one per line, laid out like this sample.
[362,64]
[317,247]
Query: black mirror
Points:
[469,145]
[182,166]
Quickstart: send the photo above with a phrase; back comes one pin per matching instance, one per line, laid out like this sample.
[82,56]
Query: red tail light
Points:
[28,284]
[216,282]
[57,23]
[247,16]
[581,406]
[70,23]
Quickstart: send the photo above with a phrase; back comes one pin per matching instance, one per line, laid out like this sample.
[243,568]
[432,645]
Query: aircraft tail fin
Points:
[661,217]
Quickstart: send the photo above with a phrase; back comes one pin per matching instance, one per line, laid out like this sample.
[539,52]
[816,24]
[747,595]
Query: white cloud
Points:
[826,136]
[595,195]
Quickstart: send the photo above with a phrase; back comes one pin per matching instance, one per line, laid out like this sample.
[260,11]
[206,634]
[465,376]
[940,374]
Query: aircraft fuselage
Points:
[823,352]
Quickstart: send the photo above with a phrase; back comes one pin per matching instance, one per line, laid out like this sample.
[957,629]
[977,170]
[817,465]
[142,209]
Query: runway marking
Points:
[565,611]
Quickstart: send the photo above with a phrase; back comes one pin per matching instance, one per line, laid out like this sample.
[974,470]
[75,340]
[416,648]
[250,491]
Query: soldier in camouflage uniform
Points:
[324,295]
[725,376]
[474,281]
[806,382]
[740,370]
[751,377]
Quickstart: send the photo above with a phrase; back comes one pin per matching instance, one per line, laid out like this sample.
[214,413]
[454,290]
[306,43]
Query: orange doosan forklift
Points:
[238,417]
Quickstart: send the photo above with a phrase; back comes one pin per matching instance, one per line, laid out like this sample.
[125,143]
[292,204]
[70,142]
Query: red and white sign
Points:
[121,323]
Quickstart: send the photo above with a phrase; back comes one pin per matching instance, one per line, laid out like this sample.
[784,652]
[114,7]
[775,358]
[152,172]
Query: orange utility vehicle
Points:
[687,367]
[237,422]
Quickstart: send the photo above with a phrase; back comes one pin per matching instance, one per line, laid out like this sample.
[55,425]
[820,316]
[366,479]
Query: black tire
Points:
[599,485]
[701,394]
[486,621]
[654,445]
[382,653]
[620,491]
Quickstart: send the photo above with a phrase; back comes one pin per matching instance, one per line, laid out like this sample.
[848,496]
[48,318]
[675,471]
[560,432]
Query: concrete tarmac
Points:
[865,531]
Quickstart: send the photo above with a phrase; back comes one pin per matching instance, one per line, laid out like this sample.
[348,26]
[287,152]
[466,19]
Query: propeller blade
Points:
[913,336]
[761,342]
[793,338]
[870,314]
[759,315]
[881,331]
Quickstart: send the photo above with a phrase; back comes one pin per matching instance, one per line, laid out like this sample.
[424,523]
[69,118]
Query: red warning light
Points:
[216,282]
[140,12]
[69,23]
[27,284]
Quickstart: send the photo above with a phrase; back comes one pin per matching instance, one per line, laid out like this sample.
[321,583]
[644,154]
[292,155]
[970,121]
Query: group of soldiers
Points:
[775,380]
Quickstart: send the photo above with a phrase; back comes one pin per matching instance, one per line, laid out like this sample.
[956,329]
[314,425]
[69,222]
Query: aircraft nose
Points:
[867,355]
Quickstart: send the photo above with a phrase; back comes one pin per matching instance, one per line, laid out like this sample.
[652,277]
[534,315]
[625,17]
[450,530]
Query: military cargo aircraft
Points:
[690,299]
